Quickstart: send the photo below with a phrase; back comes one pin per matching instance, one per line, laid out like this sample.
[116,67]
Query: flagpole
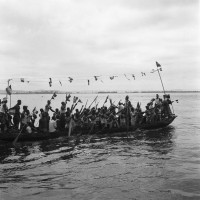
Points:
[161,80]
[10,94]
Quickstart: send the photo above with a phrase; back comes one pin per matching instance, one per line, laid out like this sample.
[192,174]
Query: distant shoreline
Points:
[94,92]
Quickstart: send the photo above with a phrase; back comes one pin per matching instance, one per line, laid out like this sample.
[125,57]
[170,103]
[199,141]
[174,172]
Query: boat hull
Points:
[38,135]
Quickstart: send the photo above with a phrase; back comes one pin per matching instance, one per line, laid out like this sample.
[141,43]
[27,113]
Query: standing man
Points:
[17,114]
[128,107]
[46,117]
[4,115]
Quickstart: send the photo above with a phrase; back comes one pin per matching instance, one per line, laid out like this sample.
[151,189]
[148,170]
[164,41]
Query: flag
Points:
[9,90]
[54,94]
[70,79]
[22,80]
[112,77]
[75,99]
[68,97]
[96,78]
[158,65]
[126,77]
[50,82]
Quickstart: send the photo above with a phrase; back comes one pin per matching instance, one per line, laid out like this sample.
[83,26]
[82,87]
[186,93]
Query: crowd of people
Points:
[124,114]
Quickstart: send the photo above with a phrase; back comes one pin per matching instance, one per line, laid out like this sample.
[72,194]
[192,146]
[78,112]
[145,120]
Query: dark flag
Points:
[158,65]
[112,77]
[50,82]
[68,97]
[70,79]
[96,78]
[9,90]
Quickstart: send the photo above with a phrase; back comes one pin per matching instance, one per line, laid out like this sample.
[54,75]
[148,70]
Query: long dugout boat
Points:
[37,135]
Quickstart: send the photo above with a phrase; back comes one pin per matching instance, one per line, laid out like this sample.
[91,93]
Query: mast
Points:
[6,92]
[159,68]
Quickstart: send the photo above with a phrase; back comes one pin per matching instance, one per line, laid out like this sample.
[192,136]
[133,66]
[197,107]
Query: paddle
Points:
[93,101]
[70,127]
[15,140]
[105,101]
[76,101]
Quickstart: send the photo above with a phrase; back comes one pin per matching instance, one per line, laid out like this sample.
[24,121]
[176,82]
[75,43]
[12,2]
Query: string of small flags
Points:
[96,78]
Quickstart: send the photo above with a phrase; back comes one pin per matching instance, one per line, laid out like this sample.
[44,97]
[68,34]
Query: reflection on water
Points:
[84,163]
[156,164]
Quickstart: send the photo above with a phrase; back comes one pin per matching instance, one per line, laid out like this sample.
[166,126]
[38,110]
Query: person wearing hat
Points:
[17,114]
[3,114]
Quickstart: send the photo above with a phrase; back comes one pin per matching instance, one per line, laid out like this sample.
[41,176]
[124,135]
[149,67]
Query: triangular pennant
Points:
[158,64]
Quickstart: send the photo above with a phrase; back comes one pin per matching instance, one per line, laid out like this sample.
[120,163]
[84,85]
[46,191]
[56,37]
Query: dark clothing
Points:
[62,121]
[16,118]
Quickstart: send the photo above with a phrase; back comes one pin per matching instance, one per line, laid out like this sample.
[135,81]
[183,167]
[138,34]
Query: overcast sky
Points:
[82,38]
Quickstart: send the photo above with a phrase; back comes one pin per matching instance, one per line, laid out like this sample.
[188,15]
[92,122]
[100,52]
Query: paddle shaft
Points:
[15,140]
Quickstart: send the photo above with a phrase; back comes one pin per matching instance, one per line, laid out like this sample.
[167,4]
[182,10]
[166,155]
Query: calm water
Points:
[159,164]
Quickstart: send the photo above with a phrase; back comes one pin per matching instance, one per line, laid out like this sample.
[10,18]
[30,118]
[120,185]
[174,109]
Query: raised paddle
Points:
[93,101]
[15,140]
[70,128]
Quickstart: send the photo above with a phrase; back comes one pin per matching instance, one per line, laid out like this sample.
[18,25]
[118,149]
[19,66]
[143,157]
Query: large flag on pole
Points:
[9,90]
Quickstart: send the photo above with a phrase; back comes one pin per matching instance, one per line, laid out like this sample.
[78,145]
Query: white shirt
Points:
[120,108]
[28,129]
[52,126]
